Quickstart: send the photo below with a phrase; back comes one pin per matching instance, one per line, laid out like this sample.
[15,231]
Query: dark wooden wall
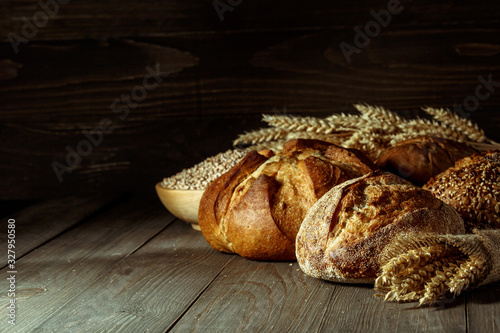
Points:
[217,78]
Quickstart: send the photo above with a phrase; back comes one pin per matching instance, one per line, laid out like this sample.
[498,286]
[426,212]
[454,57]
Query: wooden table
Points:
[126,265]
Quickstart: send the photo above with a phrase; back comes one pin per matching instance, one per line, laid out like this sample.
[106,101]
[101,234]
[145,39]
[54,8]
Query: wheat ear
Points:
[259,136]
[457,123]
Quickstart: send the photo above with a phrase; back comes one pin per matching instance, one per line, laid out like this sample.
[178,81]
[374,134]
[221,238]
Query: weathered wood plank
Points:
[251,296]
[431,54]
[57,272]
[94,19]
[130,159]
[251,73]
[140,76]
[355,309]
[124,271]
[308,72]
[483,309]
[41,222]
[148,290]
[227,82]
[9,207]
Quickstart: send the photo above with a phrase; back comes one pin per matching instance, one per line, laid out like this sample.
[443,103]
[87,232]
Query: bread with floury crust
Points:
[346,230]
[256,208]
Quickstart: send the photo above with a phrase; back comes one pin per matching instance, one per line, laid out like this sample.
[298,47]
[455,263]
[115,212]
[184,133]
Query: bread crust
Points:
[257,207]
[422,158]
[472,187]
[346,230]
[217,196]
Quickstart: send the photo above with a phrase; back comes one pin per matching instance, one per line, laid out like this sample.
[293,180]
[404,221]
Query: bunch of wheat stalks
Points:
[427,267]
[372,131]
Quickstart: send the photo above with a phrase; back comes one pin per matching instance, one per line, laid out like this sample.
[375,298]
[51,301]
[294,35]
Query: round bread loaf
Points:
[346,230]
[420,159]
[256,208]
[472,187]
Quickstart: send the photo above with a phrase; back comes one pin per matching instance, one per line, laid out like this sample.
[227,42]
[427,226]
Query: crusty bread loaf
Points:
[256,208]
[345,231]
[422,158]
[472,187]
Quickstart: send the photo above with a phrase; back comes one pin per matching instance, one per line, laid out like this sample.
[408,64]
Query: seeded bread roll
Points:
[346,230]
[420,159]
[256,208]
[472,187]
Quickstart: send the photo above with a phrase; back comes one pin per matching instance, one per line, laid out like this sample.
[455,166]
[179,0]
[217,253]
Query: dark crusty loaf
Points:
[420,159]
[472,187]
[346,230]
[256,208]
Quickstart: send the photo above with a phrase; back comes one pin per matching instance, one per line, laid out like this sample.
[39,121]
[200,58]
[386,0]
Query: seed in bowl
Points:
[199,176]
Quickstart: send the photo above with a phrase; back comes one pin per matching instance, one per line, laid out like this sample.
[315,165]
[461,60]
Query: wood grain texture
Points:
[134,268]
[48,87]
[249,73]
[250,296]
[260,76]
[94,19]
[483,309]
[308,73]
[355,309]
[263,57]
[131,159]
[61,270]
[34,228]
[148,290]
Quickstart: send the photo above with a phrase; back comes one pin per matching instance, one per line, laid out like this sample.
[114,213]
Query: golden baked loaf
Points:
[346,230]
[472,187]
[420,159]
[256,208]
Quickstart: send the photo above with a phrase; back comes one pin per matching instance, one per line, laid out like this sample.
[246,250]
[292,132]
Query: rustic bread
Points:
[346,230]
[472,187]
[256,208]
[420,159]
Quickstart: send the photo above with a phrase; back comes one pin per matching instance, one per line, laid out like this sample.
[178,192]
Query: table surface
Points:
[125,264]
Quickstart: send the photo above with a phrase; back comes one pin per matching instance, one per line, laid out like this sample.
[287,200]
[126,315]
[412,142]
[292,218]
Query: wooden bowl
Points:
[183,204]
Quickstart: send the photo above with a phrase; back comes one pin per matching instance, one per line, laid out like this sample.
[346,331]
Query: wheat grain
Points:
[434,289]
[467,274]
[199,176]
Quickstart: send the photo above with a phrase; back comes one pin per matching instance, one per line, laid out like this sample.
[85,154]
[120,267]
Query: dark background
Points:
[219,77]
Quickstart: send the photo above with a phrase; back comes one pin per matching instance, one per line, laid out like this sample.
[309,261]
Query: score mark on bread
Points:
[344,232]
[257,207]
